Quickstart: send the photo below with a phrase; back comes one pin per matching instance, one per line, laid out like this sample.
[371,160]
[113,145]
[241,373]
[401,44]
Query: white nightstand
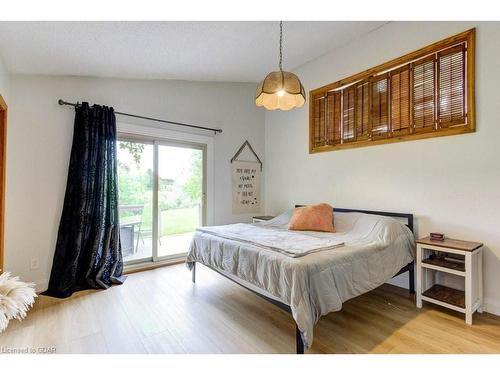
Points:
[258,219]
[461,258]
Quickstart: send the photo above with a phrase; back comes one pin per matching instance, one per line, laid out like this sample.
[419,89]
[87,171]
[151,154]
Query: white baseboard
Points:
[148,265]
[41,285]
[492,307]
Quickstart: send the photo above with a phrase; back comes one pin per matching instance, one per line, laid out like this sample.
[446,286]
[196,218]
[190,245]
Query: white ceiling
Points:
[198,51]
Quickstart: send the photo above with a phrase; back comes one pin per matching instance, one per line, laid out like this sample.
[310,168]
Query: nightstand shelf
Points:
[444,265]
[456,257]
[443,294]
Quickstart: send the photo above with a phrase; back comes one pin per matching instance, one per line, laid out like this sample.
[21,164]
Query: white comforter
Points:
[375,249]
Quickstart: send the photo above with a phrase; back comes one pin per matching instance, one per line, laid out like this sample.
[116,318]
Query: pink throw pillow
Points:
[318,217]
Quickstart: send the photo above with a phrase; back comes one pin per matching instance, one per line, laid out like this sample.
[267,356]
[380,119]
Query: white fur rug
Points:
[16,297]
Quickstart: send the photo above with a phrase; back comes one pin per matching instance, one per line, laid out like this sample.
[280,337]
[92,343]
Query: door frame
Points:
[3,166]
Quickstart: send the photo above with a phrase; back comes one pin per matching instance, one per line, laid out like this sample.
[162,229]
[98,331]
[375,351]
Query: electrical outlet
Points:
[34,264]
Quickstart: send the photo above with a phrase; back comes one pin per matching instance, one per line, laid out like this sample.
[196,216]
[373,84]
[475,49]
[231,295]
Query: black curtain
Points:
[88,252]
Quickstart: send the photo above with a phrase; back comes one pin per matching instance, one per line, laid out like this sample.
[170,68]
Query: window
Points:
[380,106]
[427,93]
[348,114]
[362,110]
[333,119]
[400,100]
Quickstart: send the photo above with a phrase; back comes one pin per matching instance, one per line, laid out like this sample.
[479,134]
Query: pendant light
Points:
[280,89]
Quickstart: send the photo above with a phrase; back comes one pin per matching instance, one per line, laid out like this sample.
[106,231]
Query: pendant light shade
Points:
[280,89]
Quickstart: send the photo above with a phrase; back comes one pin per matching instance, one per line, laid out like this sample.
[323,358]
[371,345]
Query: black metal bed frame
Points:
[410,267]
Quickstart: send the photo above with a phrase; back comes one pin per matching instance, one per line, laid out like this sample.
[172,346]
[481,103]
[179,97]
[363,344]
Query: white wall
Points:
[451,184]
[4,81]
[39,143]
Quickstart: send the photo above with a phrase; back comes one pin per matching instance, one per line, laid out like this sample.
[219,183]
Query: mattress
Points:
[374,249]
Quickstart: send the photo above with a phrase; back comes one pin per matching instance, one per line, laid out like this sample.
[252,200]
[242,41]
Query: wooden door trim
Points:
[3,161]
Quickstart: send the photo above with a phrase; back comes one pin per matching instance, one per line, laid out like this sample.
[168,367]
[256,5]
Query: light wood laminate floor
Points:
[161,311]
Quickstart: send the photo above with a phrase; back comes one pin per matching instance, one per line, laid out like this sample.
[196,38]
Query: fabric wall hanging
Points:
[245,179]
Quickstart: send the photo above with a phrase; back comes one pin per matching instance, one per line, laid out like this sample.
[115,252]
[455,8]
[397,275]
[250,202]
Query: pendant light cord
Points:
[281,44]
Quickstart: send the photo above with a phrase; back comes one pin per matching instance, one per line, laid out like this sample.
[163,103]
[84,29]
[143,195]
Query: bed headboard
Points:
[408,217]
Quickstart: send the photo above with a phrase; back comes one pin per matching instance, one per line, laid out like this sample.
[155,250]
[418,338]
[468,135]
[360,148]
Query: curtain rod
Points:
[62,102]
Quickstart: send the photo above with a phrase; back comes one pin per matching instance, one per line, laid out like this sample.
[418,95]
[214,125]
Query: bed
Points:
[367,250]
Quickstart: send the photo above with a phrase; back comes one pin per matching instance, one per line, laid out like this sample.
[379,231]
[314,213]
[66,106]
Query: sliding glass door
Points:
[180,197]
[162,197]
[135,192]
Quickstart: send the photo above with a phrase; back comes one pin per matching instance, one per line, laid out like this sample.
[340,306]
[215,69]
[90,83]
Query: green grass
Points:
[181,220]
[176,221]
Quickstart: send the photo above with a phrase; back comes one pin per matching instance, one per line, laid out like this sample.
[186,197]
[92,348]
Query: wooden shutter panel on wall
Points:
[425,93]
[451,86]
[319,121]
[424,84]
[362,110]
[400,100]
[348,102]
[380,106]
[333,134]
